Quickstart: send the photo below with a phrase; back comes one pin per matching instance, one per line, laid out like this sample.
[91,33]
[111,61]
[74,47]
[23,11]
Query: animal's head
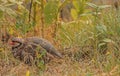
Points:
[12,41]
[16,42]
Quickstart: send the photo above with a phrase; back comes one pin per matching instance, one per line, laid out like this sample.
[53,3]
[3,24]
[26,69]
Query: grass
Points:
[90,47]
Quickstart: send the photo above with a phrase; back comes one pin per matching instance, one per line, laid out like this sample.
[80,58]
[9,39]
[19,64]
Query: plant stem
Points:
[42,18]
[30,10]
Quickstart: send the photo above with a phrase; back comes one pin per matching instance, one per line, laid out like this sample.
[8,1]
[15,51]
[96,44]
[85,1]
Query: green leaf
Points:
[96,6]
[74,14]
[101,28]
[76,4]
[101,44]
[108,40]
[50,12]
[38,2]
[1,14]
[104,6]
[92,5]
[79,5]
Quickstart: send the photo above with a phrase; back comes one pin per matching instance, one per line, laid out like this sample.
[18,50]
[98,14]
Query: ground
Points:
[56,67]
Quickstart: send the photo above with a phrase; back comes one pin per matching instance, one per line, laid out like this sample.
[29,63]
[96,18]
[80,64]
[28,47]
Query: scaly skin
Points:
[25,49]
[36,41]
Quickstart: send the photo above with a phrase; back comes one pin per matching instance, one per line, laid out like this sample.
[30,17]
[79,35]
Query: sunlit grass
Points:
[90,47]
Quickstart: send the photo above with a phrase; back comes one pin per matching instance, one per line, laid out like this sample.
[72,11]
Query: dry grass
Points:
[67,66]
[63,67]
[90,47]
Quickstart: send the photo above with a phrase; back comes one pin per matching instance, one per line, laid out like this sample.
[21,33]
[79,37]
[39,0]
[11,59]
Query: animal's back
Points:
[45,44]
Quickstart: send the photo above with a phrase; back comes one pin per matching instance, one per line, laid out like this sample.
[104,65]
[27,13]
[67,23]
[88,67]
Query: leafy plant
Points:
[50,11]
[79,8]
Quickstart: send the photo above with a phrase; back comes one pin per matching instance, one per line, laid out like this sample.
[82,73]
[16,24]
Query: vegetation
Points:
[89,41]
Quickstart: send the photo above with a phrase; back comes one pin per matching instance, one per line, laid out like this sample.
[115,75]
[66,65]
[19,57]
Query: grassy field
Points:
[89,45]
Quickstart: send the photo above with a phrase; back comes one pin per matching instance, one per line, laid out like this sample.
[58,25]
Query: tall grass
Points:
[90,42]
[96,38]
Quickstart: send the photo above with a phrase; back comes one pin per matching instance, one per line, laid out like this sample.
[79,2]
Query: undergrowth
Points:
[90,46]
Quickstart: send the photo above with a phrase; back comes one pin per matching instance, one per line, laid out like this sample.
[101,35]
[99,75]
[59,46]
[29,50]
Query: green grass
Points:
[90,47]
